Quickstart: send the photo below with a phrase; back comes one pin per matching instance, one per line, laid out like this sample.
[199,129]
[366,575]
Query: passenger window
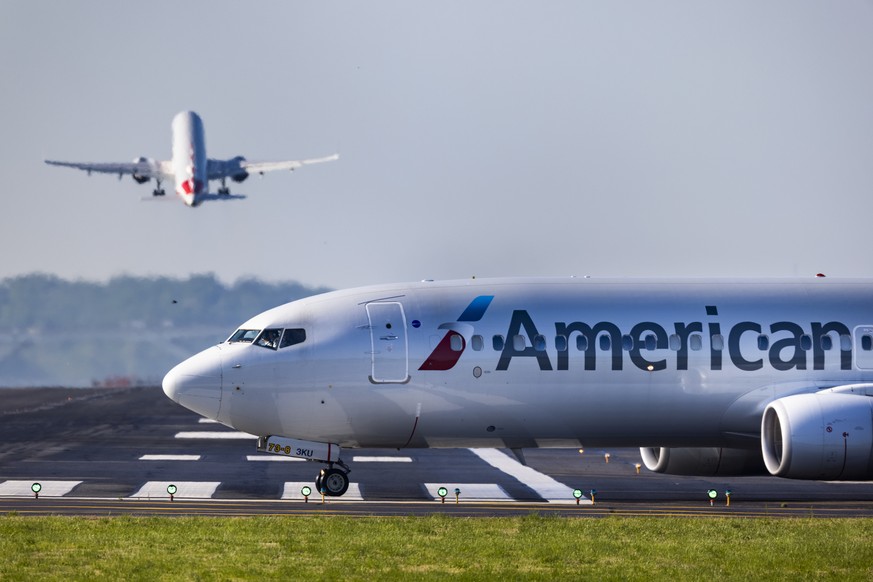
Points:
[477,343]
[604,342]
[269,338]
[539,343]
[497,343]
[246,336]
[805,342]
[651,342]
[581,343]
[456,343]
[866,343]
[718,342]
[292,337]
[675,342]
[696,342]
[518,343]
[627,343]
[827,343]
[763,342]
[561,343]
[846,343]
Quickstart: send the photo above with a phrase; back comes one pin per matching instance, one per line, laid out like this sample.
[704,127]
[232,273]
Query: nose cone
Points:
[196,383]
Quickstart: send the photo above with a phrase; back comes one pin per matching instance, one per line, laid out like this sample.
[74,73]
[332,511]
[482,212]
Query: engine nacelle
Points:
[819,436]
[139,178]
[242,174]
[703,461]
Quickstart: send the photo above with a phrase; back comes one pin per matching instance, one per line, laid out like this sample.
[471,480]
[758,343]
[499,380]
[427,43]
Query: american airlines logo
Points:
[747,345]
[449,350]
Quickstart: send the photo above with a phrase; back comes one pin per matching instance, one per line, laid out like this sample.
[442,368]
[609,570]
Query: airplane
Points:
[707,376]
[190,168]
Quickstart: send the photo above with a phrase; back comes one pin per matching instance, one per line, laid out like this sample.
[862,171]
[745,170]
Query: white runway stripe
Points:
[207,421]
[184,490]
[20,488]
[381,459]
[469,491]
[216,434]
[272,458]
[292,491]
[170,458]
[546,487]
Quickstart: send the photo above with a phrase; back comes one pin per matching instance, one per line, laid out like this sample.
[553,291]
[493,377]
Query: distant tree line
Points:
[50,303]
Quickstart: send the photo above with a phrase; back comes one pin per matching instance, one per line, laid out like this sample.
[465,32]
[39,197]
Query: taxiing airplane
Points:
[708,377]
[190,168]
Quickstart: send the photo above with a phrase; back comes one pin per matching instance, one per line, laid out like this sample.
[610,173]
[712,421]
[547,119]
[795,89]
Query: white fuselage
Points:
[537,362]
[189,165]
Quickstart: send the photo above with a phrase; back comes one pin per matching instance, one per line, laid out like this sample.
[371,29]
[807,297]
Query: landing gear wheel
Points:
[318,483]
[334,482]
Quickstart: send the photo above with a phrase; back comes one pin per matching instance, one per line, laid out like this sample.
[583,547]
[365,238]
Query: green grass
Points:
[435,547]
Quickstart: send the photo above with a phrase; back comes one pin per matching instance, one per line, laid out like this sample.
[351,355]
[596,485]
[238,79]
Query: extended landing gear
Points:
[224,190]
[334,482]
[158,191]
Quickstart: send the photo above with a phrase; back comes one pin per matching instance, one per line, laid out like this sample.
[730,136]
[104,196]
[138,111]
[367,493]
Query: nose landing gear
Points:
[334,482]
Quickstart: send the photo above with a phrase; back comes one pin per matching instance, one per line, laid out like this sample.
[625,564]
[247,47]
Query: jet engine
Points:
[703,461]
[819,436]
[139,178]
[241,175]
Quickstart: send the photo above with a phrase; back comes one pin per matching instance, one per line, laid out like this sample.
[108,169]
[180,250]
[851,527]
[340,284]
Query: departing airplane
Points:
[190,168]
[708,377]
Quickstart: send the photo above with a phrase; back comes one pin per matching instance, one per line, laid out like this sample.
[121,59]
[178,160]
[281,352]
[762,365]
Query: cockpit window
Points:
[292,337]
[243,336]
[269,338]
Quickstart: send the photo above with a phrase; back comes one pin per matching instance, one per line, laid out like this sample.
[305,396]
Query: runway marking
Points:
[469,491]
[217,435]
[184,490]
[271,458]
[292,491]
[20,488]
[382,459]
[170,458]
[546,487]
[207,421]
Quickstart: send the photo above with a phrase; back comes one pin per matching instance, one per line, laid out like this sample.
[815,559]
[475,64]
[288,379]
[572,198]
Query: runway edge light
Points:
[171,489]
[36,488]
[577,493]
[442,492]
[712,494]
[306,491]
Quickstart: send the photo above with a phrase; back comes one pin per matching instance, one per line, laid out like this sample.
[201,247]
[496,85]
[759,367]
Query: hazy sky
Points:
[477,138]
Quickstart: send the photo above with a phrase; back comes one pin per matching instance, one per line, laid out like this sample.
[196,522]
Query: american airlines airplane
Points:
[708,377]
[190,168]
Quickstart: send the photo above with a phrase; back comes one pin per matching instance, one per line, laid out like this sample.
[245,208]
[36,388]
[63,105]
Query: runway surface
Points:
[113,451]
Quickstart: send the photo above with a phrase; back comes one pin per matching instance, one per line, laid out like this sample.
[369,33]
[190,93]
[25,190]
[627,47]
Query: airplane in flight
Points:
[189,168]
[707,377]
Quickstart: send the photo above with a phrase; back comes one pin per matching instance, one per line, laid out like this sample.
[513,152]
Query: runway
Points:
[115,451]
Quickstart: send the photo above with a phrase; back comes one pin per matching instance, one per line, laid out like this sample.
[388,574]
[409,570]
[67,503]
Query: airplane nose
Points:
[196,383]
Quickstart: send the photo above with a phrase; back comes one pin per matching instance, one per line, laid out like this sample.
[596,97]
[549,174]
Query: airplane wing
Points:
[142,168]
[261,167]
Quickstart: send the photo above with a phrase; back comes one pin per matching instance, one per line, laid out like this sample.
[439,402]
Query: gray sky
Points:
[477,138]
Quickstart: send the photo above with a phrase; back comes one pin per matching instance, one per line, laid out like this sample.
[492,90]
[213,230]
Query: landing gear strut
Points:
[333,482]
[158,191]
[224,190]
